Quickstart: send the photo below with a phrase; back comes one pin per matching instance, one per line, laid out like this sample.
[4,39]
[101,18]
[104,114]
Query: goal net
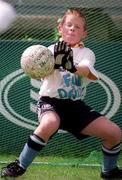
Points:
[36,24]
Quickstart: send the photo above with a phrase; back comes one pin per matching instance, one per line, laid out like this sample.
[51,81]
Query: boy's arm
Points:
[87,71]
[86,66]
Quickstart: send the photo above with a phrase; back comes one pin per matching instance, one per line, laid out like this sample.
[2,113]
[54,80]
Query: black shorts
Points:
[74,115]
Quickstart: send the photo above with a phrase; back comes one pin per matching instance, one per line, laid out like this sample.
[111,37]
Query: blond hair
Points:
[75,11]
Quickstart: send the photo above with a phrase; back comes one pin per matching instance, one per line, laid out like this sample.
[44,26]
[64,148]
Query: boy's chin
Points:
[72,43]
[69,41]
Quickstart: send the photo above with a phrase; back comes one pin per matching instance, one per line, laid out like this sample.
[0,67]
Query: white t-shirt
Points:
[62,84]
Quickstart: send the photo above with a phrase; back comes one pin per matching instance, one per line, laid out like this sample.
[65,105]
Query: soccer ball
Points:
[37,61]
[7,16]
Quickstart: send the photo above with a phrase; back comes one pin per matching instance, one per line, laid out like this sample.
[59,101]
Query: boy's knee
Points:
[115,135]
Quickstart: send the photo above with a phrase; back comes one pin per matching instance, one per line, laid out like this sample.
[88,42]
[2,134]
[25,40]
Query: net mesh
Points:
[36,24]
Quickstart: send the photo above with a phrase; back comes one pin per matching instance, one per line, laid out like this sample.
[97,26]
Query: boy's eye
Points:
[69,24]
[76,26]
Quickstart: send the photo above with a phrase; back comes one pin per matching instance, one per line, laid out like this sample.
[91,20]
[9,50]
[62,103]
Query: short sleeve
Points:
[89,61]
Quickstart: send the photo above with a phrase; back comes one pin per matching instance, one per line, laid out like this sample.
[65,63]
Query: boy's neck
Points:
[80,44]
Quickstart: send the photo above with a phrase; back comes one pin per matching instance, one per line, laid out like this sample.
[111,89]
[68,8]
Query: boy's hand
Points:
[61,51]
[63,55]
[69,64]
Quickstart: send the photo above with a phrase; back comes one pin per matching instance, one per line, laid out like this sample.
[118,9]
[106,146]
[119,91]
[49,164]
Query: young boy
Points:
[60,104]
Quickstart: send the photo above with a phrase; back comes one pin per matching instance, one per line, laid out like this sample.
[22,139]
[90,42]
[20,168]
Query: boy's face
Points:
[72,30]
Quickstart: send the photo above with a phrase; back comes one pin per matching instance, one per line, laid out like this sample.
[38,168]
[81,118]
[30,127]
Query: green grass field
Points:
[41,172]
[61,173]
[60,168]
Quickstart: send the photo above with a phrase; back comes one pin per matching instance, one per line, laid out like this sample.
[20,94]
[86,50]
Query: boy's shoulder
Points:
[76,49]
[83,50]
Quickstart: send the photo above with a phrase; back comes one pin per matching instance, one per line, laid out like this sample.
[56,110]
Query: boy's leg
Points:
[48,126]
[31,149]
[110,158]
[111,135]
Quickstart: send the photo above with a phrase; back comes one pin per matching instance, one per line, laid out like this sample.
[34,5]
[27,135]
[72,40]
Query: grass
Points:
[60,168]
[55,168]
[61,173]
[36,172]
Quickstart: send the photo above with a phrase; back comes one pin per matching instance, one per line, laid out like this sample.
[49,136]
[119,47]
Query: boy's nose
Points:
[72,28]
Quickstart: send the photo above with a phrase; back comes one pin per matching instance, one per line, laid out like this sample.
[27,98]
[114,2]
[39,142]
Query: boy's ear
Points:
[85,34]
[59,29]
